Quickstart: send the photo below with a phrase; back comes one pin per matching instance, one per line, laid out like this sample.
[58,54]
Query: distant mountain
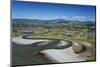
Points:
[54,22]
[31,21]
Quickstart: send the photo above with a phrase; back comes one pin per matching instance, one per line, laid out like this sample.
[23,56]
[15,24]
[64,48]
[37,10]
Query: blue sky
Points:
[36,10]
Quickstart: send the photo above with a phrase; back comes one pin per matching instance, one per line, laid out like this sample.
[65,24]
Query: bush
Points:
[78,48]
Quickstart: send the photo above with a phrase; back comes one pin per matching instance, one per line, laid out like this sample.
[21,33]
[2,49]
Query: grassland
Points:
[73,31]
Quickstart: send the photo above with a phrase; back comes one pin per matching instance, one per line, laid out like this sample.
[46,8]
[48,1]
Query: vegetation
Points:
[78,31]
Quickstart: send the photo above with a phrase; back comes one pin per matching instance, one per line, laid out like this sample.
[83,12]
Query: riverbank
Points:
[47,50]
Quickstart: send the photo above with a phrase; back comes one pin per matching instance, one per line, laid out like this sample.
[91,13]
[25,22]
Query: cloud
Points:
[79,17]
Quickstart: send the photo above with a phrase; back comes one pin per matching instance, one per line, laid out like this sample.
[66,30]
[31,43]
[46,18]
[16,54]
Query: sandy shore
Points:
[62,55]
[67,54]
[57,55]
[20,40]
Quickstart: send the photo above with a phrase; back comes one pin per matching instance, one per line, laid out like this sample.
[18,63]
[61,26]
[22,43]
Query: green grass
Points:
[30,54]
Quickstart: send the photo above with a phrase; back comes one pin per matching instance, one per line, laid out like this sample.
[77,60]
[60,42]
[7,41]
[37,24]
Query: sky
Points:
[48,11]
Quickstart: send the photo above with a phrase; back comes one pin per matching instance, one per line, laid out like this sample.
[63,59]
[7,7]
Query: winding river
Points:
[26,50]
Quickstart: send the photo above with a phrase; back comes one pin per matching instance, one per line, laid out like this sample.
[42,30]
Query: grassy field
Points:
[23,55]
[59,33]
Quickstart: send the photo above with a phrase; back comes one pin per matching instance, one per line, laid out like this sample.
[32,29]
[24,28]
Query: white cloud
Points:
[79,17]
